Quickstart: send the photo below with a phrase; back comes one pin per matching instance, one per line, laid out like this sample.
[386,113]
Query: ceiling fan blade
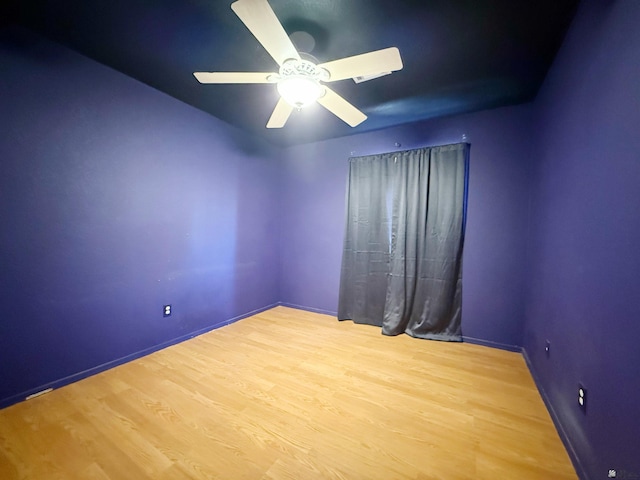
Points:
[280,114]
[372,63]
[341,108]
[234,77]
[259,18]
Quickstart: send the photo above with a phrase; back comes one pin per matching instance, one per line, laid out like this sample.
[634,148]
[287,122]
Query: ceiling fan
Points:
[300,79]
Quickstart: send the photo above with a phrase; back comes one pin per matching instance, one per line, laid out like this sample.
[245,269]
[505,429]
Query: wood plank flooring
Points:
[288,394]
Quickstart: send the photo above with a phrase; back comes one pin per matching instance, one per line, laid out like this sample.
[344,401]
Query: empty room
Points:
[277,239]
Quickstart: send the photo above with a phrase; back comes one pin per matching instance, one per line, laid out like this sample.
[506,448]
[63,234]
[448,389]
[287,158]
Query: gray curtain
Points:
[404,234]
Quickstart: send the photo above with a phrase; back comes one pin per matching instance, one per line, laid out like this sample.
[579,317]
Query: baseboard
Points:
[580,470]
[308,309]
[476,341]
[5,402]
[489,343]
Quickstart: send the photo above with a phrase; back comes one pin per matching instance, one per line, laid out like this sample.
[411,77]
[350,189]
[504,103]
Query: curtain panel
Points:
[404,236]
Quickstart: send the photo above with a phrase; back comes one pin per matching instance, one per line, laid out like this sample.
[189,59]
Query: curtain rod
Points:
[464,139]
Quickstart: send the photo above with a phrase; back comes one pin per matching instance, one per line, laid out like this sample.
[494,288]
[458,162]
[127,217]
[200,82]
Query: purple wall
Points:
[585,267]
[495,246]
[114,200]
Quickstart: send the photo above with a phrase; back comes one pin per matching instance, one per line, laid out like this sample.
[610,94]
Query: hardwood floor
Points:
[288,394]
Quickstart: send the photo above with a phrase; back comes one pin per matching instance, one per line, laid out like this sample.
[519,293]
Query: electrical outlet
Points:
[582,397]
[166,310]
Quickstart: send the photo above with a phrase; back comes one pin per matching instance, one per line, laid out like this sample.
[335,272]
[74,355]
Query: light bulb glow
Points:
[299,91]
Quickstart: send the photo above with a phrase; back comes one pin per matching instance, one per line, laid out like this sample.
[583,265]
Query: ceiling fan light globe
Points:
[299,91]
